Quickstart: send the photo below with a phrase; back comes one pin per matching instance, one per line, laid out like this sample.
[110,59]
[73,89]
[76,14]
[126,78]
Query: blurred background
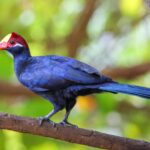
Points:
[113,36]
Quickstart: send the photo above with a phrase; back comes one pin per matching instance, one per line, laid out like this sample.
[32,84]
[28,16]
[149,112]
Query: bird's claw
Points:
[42,119]
[65,124]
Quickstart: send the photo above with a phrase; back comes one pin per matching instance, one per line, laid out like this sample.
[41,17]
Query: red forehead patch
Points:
[19,39]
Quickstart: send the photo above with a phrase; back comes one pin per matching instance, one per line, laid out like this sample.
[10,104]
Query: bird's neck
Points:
[20,61]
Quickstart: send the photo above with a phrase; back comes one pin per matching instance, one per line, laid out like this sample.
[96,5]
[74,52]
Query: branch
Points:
[78,34]
[69,134]
[127,72]
[127,108]
[9,89]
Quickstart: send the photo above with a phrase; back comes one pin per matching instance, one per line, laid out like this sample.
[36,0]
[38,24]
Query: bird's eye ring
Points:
[12,42]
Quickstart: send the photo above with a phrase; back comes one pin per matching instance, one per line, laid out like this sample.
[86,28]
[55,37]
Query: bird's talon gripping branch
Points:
[67,124]
[42,119]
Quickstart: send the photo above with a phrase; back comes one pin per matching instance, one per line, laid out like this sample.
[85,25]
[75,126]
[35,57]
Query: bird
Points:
[61,79]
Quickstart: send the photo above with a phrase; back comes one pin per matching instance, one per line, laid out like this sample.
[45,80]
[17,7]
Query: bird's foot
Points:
[66,123]
[42,119]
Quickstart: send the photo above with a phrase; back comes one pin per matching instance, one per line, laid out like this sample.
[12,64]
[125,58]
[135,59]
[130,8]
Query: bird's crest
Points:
[15,38]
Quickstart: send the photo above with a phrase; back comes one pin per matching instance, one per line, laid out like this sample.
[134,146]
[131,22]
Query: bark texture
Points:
[70,134]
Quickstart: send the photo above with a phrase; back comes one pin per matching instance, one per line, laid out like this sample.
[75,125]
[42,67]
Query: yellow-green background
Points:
[117,34]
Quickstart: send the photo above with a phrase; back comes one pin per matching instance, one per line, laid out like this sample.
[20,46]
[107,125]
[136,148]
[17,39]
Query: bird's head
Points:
[14,44]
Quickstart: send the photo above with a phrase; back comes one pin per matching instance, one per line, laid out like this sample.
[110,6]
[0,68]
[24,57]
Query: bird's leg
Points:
[68,110]
[65,120]
[48,116]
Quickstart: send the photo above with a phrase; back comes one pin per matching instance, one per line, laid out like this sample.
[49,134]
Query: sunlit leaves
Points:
[131,7]
[118,34]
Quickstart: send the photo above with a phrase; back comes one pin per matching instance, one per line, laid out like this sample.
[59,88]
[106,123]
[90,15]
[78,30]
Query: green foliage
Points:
[6,67]
[117,34]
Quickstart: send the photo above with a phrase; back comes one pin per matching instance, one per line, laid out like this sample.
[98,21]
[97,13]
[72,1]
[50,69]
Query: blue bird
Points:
[60,79]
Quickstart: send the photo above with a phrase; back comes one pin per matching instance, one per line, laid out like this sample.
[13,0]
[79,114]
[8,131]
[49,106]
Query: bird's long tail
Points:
[126,89]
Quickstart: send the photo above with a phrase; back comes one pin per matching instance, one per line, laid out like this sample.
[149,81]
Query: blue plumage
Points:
[61,79]
[126,89]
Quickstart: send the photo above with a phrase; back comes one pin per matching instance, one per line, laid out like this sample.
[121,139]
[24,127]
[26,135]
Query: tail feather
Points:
[126,89]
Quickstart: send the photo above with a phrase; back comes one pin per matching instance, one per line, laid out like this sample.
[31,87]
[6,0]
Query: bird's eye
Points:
[12,42]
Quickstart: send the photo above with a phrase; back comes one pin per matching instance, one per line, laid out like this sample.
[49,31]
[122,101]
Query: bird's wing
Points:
[57,72]
[76,64]
[78,72]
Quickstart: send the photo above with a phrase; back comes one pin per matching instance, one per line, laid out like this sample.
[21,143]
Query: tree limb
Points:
[69,134]
[78,33]
[127,72]
[10,89]
[127,108]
